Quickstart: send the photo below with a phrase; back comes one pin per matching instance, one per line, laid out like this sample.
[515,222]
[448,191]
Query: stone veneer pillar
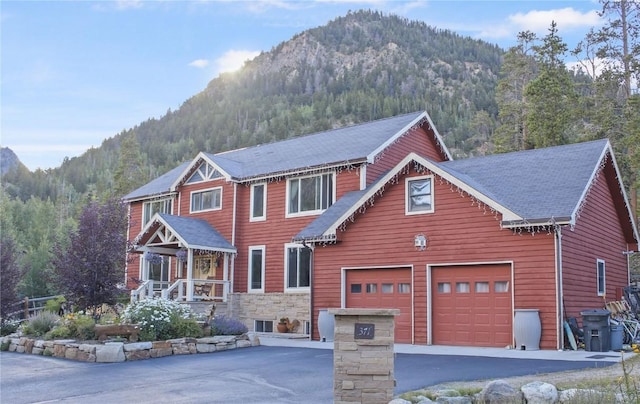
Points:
[363,357]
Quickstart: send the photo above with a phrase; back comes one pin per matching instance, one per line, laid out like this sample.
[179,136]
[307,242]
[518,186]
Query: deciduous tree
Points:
[90,267]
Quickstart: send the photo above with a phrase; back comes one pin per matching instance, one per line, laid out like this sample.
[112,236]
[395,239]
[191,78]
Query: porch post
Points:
[189,274]
[225,276]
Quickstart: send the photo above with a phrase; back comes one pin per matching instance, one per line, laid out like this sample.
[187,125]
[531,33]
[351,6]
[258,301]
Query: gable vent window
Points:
[204,172]
[419,195]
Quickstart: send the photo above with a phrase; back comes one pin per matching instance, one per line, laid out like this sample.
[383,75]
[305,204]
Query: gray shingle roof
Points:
[348,144]
[196,233]
[537,185]
[158,186]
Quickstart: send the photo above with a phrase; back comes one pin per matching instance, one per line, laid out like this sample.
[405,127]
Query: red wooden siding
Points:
[597,235]
[458,232]
[417,140]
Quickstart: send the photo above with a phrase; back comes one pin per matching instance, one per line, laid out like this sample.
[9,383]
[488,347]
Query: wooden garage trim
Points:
[429,269]
[343,288]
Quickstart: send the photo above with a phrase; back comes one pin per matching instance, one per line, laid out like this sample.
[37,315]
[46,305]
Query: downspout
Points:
[560,289]
[233,236]
[126,253]
[311,322]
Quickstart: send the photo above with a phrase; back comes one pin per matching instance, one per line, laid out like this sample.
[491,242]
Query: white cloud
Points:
[565,18]
[199,63]
[234,59]
[128,4]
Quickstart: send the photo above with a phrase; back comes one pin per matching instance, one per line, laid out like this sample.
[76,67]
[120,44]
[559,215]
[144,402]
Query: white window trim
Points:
[601,289]
[249,262]
[286,269]
[264,203]
[146,203]
[200,191]
[206,171]
[308,212]
[407,189]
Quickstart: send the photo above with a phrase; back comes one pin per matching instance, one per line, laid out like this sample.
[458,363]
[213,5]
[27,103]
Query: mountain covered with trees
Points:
[357,68]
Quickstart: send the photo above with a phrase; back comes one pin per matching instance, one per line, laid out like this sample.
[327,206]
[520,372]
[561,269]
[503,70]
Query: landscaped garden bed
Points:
[147,329]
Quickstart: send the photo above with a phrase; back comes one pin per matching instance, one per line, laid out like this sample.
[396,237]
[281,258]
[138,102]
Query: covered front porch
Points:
[183,259]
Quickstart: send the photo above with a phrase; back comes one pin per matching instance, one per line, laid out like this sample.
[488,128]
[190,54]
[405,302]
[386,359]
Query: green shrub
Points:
[186,327]
[54,305]
[5,345]
[81,326]
[156,318]
[59,332]
[41,323]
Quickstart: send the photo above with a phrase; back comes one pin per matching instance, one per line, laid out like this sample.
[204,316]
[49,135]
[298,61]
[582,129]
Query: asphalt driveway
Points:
[264,374]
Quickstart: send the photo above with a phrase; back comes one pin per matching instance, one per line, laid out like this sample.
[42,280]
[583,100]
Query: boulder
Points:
[540,393]
[499,391]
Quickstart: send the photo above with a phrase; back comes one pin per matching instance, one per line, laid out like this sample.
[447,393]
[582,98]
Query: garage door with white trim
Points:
[383,289]
[471,305]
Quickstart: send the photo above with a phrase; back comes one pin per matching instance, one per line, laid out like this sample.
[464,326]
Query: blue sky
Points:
[74,73]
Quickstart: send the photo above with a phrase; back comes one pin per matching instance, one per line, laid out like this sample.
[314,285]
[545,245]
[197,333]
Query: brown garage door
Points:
[383,288]
[471,305]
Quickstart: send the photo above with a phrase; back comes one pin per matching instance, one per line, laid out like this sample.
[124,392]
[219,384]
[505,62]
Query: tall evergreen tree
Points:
[551,95]
[129,173]
[517,71]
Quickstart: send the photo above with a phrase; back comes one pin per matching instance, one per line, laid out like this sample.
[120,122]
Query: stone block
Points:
[161,345]
[71,353]
[137,346]
[88,348]
[180,349]
[39,343]
[20,348]
[137,355]
[110,352]
[160,352]
[243,343]
[205,348]
[37,351]
[59,350]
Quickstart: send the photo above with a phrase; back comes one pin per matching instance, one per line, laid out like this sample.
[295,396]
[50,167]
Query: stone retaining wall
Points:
[120,351]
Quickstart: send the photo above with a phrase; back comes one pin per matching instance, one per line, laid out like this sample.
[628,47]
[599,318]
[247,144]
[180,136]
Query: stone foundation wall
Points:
[248,307]
[120,351]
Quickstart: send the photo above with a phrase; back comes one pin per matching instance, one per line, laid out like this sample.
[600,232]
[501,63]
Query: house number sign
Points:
[364,331]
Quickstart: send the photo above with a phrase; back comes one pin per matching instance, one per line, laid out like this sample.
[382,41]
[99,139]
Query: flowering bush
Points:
[8,327]
[223,325]
[160,319]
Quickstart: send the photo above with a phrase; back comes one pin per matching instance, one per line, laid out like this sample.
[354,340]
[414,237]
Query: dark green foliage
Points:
[10,275]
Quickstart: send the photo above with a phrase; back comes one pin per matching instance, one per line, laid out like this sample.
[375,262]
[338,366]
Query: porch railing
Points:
[144,291]
[203,289]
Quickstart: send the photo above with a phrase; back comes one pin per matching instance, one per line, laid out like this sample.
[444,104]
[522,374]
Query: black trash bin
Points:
[597,334]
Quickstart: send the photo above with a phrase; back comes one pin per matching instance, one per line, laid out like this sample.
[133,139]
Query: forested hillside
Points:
[357,68]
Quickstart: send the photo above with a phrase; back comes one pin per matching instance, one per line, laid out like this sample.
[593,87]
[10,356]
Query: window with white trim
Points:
[297,267]
[209,199]
[158,206]
[601,278]
[256,269]
[419,197]
[308,195]
[258,202]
